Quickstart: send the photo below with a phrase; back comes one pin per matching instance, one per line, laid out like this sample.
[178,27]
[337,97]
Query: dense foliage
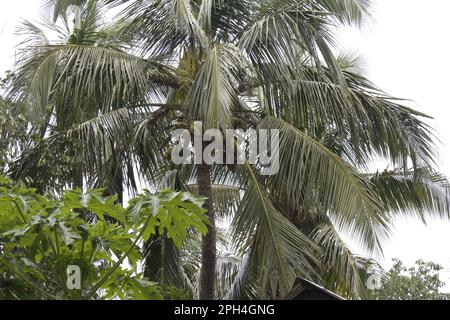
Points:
[41,237]
[421,282]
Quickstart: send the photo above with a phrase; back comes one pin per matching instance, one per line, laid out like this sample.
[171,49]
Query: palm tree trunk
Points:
[208,269]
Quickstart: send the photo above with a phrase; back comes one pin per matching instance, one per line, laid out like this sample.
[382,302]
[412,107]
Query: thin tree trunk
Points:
[208,269]
[116,175]
[77,178]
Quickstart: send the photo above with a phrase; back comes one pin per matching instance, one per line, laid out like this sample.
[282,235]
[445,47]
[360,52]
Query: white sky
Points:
[407,51]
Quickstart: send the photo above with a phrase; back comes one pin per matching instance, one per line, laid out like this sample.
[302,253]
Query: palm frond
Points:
[421,192]
[364,120]
[245,285]
[321,175]
[342,269]
[187,21]
[78,74]
[350,12]
[351,61]
[33,33]
[226,199]
[279,249]
[163,263]
[214,90]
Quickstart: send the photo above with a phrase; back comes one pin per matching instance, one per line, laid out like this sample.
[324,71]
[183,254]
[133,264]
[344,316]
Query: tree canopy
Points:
[420,282]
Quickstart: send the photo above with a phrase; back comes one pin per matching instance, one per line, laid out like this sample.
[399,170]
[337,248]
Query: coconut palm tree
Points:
[46,86]
[240,64]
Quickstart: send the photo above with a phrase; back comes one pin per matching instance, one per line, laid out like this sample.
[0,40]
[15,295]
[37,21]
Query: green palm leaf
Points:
[278,248]
[323,176]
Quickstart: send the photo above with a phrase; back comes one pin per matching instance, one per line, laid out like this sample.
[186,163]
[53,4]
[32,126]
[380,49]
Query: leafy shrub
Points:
[41,237]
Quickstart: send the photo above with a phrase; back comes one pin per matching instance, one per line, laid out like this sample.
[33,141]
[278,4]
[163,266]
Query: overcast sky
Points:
[407,51]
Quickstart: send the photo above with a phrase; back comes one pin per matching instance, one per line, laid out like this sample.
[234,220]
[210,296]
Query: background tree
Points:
[52,95]
[14,132]
[421,282]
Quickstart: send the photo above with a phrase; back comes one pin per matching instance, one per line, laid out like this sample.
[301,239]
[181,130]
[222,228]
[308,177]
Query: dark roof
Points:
[306,290]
